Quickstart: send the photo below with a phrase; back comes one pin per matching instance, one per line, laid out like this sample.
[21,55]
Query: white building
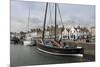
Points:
[74,33]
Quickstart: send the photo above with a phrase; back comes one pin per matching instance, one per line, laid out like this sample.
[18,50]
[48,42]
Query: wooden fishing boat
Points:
[53,46]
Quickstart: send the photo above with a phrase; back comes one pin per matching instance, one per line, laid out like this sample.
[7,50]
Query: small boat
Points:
[14,40]
[29,41]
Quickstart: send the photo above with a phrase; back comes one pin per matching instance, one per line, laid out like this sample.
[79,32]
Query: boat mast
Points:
[55,20]
[44,21]
[28,19]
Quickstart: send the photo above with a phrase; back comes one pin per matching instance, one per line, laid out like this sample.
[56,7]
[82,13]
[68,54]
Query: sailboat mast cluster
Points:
[45,20]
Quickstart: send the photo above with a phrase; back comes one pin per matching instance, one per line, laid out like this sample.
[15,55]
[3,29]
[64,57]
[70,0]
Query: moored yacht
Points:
[55,46]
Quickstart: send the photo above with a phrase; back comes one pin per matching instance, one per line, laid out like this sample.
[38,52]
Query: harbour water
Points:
[21,55]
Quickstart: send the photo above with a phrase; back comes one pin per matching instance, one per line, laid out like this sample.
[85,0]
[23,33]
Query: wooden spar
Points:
[55,21]
[44,21]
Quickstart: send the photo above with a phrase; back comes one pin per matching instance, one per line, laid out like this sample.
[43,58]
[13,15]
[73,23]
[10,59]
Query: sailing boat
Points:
[29,40]
[54,46]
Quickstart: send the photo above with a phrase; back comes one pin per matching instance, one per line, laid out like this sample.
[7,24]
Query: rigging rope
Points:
[50,14]
[60,15]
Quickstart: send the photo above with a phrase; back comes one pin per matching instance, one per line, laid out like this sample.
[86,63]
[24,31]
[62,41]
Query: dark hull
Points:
[61,51]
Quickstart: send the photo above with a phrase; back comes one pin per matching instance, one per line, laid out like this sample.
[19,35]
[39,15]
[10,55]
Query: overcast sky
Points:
[71,14]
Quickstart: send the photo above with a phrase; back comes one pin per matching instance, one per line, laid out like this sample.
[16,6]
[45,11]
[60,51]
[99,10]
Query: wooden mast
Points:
[55,20]
[44,21]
